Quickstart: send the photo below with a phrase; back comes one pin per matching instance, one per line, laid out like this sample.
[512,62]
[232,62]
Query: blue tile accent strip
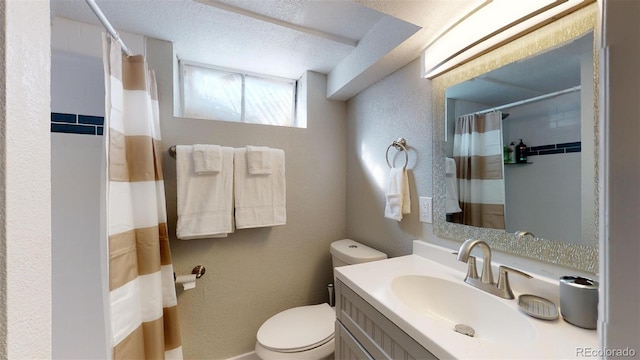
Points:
[65,118]
[543,147]
[571,144]
[73,129]
[77,124]
[93,120]
[552,151]
[571,147]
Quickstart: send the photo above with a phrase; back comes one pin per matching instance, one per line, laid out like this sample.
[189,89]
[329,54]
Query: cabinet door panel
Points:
[380,337]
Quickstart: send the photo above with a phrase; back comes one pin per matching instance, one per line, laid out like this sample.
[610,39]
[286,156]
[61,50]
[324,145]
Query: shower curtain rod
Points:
[103,19]
[526,101]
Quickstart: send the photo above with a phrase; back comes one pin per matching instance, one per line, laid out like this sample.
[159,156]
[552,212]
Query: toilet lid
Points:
[298,329]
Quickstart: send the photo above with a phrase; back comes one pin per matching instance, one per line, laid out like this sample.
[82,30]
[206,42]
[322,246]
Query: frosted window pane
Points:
[212,94]
[269,101]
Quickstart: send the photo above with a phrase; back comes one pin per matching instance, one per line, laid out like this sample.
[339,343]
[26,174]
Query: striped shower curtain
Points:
[144,317]
[477,150]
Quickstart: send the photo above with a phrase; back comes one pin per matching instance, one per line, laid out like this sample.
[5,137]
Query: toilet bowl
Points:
[307,332]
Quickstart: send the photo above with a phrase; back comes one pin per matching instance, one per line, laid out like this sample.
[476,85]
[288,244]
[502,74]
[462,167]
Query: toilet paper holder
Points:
[198,270]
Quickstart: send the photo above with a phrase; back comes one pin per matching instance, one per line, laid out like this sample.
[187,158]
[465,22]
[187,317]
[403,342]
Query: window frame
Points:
[293,82]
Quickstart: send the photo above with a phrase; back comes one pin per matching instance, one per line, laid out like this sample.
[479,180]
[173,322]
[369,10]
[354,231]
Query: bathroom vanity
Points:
[407,308]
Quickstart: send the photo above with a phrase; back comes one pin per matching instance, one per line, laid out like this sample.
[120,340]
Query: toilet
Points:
[307,332]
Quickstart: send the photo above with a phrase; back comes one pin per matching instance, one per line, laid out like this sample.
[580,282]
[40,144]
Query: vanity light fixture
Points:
[490,26]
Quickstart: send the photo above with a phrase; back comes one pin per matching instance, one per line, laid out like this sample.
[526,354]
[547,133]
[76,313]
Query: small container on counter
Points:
[579,301]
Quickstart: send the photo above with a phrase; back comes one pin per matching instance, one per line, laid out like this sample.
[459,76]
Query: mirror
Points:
[543,194]
[539,88]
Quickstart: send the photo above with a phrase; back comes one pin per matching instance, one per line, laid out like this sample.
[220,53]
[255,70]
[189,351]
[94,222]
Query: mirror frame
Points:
[552,35]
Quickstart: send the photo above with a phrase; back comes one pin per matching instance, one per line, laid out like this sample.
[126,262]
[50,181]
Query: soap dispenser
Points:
[521,153]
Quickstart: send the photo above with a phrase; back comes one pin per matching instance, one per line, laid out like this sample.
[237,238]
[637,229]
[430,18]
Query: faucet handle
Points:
[503,280]
[472,270]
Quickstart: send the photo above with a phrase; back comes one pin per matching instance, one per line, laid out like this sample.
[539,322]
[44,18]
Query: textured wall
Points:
[25,192]
[255,273]
[397,106]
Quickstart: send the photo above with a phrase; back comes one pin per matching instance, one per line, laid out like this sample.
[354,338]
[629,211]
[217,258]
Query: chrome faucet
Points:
[485,281]
[465,251]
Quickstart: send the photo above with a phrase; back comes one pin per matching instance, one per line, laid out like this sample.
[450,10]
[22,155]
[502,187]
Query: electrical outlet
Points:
[426,209]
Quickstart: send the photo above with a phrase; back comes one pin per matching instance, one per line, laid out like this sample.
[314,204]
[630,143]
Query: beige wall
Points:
[255,273]
[396,106]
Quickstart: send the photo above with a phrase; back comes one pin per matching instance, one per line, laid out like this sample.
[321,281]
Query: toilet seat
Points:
[298,329]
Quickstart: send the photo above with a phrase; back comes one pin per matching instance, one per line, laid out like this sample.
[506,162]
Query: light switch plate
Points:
[426,209]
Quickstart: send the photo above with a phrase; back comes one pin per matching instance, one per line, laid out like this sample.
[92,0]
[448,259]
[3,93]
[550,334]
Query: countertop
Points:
[555,339]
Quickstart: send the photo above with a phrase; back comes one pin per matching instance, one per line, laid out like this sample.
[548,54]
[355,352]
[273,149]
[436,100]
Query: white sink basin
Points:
[452,303]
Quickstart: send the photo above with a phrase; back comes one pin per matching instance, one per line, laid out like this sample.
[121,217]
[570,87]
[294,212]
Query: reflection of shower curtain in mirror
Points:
[477,150]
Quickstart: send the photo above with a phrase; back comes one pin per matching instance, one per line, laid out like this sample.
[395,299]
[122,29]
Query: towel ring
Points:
[400,145]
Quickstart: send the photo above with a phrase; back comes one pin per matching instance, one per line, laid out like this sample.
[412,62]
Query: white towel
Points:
[259,200]
[258,160]
[398,195]
[205,202]
[452,204]
[207,159]
[450,166]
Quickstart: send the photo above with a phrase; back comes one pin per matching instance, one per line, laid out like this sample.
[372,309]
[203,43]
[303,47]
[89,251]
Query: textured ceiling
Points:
[286,37]
[335,17]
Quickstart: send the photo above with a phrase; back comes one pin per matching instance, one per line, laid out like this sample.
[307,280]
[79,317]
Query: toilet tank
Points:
[349,252]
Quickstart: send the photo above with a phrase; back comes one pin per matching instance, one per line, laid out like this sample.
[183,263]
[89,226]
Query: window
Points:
[219,94]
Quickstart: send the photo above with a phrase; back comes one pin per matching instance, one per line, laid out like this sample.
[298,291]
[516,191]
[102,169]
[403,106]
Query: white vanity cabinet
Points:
[362,332]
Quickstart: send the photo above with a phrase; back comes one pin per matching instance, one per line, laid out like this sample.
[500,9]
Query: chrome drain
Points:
[464,330]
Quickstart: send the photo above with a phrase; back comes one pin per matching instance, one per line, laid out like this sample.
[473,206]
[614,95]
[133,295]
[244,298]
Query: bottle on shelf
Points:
[512,152]
[521,152]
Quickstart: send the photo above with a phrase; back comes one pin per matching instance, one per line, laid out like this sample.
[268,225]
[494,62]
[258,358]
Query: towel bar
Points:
[400,145]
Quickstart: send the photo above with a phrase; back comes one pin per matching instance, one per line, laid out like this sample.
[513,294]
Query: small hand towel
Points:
[450,166]
[259,200]
[205,202]
[393,207]
[207,159]
[258,160]
[452,204]
[398,196]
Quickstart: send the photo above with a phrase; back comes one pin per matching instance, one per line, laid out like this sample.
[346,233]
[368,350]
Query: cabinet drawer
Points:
[347,348]
[380,337]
